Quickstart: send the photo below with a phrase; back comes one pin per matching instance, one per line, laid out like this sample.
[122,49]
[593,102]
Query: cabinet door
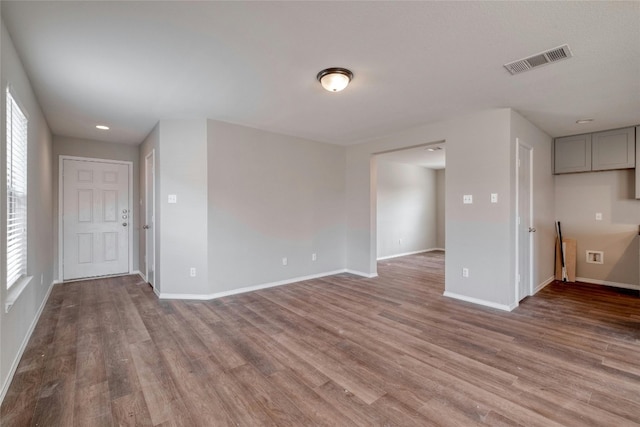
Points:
[572,154]
[638,163]
[614,149]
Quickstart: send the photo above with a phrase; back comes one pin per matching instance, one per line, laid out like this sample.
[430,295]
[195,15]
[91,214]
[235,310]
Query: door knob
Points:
[532,229]
[146,227]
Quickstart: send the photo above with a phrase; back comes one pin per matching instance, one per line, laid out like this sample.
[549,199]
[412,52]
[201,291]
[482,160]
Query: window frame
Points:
[17,142]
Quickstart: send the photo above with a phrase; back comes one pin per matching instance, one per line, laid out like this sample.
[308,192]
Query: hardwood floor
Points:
[336,351]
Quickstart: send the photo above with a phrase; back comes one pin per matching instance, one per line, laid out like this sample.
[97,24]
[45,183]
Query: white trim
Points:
[608,283]
[410,253]
[23,346]
[360,273]
[543,285]
[15,291]
[61,160]
[480,301]
[247,288]
[139,273]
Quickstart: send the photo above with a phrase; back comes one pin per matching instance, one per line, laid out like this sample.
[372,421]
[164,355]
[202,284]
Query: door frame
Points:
[61,160]
[151,156]
[521,145]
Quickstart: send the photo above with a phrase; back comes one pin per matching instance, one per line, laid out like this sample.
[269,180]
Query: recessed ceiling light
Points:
[434,148]
[102,127]
[583,121]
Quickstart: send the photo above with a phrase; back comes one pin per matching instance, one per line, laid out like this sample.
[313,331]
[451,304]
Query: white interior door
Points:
[525,221]
[96,218]
[149,227]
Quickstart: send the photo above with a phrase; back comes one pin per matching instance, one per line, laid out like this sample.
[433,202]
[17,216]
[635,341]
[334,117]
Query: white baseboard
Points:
[360,273]
[164,295]
[542,285]
[23,346]
[139,273]
[409,253]
[480,301]
[608,283]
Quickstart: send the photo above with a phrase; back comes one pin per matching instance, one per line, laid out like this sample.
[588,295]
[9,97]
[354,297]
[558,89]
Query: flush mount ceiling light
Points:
[583,121]
[334,79]
[102,127]
[434,148]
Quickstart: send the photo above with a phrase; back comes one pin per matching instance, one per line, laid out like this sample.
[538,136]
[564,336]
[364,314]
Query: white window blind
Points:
[16,192]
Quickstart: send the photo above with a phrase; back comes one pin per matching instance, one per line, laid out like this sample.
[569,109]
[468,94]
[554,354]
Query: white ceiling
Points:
[130,64]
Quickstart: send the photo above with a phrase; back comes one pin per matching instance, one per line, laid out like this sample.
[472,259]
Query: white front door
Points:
[149,227]
[525,221]
[96,218]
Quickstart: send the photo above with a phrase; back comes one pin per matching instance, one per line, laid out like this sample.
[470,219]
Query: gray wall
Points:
[406,208]
[272,196]
[543,195]
[17,324]
[577,198]
[440,208]
[182,170]
[65,146]
[481,237]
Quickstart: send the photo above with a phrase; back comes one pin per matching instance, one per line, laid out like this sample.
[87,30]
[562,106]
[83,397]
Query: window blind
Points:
[16,192]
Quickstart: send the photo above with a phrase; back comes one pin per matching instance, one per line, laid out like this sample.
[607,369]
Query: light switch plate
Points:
[598,216]
[494,197]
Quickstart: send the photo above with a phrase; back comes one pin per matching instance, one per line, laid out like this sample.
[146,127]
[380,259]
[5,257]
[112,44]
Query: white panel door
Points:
[525,221]
[96,219]
[149,227]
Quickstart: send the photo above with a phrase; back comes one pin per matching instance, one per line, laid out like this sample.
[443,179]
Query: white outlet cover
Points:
[467,199]
[494,197]
[172,198]
[598,216]
[284,261]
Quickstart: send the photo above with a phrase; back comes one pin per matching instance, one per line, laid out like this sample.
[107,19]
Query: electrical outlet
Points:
[598,216]
[494,197]
[467,199]
[465,272]
[192,272]
[284,261]
[314,257]
[172,198]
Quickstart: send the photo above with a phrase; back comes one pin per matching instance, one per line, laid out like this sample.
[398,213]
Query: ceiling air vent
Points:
[543,58]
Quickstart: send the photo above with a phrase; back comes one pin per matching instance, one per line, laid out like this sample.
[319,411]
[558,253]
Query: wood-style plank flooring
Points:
[336,351]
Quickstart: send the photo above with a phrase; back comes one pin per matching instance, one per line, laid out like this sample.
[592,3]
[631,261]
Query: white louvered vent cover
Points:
[543,58]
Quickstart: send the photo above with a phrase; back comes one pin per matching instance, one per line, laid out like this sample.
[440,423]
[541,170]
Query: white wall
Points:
[480,236]
[272,196]
[66,146]
[406,208]
[17,325]
[577,198]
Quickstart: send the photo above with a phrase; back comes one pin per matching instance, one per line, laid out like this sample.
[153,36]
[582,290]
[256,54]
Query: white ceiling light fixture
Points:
[334,79]
[583,121]
[102,127]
